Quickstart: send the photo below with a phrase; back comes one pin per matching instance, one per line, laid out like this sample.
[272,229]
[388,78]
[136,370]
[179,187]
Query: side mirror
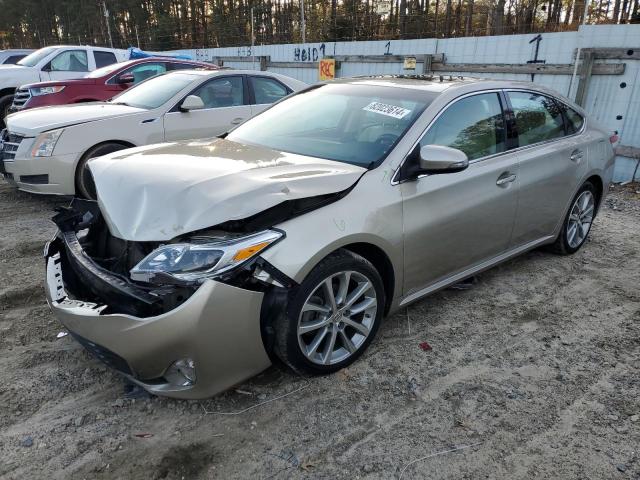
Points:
[125,78]
[192,102]
[435,159]
[47,67]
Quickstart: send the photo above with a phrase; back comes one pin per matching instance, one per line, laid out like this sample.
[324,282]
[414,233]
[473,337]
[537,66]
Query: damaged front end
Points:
[180,318]
[151,278]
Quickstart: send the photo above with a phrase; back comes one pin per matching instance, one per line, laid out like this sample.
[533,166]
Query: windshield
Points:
[32,59]
[352,123]
[100,72]
[154,92]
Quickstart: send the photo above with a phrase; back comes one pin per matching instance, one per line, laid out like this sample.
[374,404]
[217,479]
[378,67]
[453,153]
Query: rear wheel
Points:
[85,187]
[577,224]
[5,104]
[333,316]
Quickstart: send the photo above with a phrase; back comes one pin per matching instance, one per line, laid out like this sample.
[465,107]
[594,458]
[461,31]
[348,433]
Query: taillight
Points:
[613,138]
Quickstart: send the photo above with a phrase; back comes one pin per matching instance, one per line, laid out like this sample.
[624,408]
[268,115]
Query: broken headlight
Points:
[198,260]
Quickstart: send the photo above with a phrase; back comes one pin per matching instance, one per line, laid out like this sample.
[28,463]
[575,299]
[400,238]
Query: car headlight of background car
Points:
[202,259]
[37,91]
[45,143]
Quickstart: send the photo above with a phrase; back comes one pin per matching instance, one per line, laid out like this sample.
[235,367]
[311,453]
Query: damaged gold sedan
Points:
[294,234]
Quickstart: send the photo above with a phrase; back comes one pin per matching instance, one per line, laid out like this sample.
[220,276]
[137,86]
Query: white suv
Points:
[52,63]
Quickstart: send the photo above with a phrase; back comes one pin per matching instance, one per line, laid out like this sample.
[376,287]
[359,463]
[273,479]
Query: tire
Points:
[5,103]
[351,332]
[580,216]
[85,187]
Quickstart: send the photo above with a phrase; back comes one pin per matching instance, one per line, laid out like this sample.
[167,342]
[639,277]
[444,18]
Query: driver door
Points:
[65,65]
[455,221]
[225,106]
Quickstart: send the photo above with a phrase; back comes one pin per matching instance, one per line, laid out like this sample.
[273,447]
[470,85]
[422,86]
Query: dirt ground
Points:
[532,373]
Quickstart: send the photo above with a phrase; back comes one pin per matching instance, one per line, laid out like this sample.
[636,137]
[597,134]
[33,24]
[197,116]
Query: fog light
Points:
[182,373]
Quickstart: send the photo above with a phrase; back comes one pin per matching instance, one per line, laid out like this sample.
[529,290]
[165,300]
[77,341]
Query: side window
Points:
[104,58]
[221,92]
[142,72]
[181,66]
[474,125]
[13,59]
[574,119]
[538,118]
[70,61]
[267,90]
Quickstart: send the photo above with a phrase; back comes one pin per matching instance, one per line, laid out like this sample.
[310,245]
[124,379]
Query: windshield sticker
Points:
[388,110]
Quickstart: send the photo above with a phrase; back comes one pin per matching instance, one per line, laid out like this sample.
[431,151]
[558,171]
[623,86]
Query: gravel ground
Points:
[532,373]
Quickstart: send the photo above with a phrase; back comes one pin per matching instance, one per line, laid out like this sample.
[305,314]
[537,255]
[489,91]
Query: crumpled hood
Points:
[157,192]
[34,121]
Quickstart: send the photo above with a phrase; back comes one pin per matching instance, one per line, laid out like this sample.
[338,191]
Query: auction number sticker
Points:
[388,110]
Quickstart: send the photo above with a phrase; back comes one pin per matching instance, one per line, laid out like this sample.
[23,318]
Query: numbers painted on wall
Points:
[387,48]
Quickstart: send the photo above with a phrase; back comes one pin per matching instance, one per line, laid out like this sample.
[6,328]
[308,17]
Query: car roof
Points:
[222,71]
[163,59]
[445,83]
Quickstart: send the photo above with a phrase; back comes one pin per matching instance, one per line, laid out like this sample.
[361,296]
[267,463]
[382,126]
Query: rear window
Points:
[574,120]
[13,59]
[104,58]
[538,117]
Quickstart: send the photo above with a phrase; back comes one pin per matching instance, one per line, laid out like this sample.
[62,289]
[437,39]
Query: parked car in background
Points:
[52,63]
[99,85]
[47,150]
[299,230]
[13,55]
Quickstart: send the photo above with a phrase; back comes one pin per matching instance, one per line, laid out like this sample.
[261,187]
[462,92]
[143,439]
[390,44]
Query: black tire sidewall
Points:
[288,348]
[568,249]
[82,189]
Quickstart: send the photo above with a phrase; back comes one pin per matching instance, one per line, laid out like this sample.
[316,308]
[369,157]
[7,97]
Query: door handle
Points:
[576,156]
[237,120]
[504,179]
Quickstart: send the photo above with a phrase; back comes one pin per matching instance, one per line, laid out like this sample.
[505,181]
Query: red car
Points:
[99,85]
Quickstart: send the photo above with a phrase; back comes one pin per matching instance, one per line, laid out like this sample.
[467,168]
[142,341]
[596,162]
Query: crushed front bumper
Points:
[218,327]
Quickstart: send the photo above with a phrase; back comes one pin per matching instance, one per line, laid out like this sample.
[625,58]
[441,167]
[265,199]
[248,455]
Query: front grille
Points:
[105,355]
[10,143]
[21,97]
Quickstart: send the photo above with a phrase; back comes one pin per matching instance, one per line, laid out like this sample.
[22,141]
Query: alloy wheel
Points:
[580,219]
[337,317]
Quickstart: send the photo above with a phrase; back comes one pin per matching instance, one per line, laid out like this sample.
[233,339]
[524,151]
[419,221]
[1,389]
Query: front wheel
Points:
[85,187]
[577,223]
[333,316]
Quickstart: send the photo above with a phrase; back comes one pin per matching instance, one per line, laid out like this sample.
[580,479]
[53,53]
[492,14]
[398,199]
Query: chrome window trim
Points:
[394,181]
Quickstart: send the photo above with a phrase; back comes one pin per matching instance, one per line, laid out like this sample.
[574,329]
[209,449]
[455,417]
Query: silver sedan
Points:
[296,233]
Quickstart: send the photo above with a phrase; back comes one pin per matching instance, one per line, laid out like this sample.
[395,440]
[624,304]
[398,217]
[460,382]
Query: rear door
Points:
[225,106]
[264,91]
[458,220]
[552,162]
